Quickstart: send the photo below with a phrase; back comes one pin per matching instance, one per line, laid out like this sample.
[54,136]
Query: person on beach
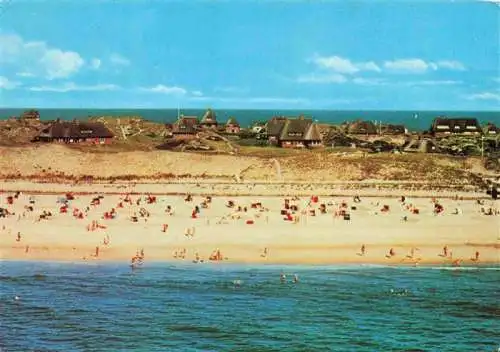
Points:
[96,254]
[476,256]
[363,250]
[264,253]
[189,232]
[216,255]
[18,238]
[445,251]
[391,254]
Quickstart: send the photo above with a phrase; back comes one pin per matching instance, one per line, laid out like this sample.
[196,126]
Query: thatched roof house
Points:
[209,119]
[185,125]
[75,131]
[289,133]
[232,126]
[393,129]
[295,129]
[362,127]
[30,115]
[232,122]
[274,126]
[491,129]
[444,126]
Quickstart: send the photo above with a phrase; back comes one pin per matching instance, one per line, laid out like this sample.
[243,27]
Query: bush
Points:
[247,134]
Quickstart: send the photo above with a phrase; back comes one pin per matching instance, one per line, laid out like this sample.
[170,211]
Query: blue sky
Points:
[250,54]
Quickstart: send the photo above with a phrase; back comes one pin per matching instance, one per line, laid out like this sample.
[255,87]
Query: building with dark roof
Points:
[362,127]
[274,127]
[185,126]
[293,133]
[443,126]
[30,115]
[75,132]
[491,129]
[393,129]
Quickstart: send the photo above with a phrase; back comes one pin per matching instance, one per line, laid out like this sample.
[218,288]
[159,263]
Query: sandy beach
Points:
[258,229]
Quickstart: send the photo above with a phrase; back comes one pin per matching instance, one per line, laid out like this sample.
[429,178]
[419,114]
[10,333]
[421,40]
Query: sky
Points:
[254,54]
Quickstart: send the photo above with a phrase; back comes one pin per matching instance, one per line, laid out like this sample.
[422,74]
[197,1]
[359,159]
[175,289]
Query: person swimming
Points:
[282,278]
[295,278]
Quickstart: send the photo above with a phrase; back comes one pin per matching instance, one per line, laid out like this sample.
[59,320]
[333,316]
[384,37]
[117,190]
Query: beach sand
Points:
[319,239]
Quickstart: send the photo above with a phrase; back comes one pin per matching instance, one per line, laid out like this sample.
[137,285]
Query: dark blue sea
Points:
[414,120]
[165,307]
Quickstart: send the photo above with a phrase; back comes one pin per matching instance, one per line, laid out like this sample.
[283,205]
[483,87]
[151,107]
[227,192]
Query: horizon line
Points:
[249,109]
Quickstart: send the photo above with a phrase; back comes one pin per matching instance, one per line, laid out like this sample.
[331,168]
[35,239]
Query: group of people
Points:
[137,259]
[291,205]
[446,253]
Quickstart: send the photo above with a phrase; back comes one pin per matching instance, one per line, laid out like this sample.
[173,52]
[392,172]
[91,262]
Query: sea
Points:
[413,120]
[50,306]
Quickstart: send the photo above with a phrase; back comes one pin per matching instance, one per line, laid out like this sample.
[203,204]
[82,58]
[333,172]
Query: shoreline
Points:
[241,254]
[226,264]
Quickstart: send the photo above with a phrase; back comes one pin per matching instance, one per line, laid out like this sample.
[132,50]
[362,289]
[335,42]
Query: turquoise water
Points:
[421,121]
[165,307]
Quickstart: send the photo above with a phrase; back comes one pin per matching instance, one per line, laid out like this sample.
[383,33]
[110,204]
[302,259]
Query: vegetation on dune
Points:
[370,159]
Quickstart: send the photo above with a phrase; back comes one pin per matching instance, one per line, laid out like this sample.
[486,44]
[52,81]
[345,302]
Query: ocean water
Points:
[414,120]
[166,307]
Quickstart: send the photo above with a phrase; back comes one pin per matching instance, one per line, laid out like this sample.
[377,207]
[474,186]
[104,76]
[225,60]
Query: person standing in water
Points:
[445,251]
